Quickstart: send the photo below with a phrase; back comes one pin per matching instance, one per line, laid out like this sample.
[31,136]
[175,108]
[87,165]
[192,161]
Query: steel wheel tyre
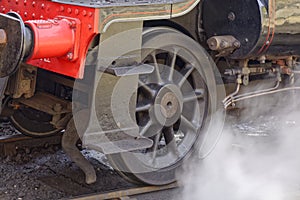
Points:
[33,123]
[173,105]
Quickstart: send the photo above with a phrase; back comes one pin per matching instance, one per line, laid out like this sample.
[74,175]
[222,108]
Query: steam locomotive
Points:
[137,79]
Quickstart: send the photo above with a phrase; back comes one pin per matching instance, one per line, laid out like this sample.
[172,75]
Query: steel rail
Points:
[13,138]
[9,144]
[126,193]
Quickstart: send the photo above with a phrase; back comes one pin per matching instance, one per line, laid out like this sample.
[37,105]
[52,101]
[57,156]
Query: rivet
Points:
[42,17]
[25,2]
[90,14]
[17,1]
[84,12]
[89,26]
[43,6]
[70,56]
[33,15]
[33,3]
[25,14]
[76,11]
[62,8]
[3,9]
[69,10]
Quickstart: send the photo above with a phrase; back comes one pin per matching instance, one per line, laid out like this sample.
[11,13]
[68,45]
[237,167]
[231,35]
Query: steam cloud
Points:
[257,157]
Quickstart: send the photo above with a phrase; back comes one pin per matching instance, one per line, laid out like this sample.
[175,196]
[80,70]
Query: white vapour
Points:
[257,158]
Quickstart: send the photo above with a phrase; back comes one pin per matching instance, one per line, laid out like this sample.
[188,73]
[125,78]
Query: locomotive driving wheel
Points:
[173,104]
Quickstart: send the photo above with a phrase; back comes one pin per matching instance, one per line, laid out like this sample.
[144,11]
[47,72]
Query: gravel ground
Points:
[6,128]
[49,174]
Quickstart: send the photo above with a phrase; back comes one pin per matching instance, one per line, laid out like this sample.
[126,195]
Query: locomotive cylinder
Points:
[51,38]
[263,27]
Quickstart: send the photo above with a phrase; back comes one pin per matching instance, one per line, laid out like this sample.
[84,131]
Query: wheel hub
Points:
[168,105]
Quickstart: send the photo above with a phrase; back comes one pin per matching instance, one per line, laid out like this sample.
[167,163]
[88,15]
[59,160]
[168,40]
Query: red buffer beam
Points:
[60,33]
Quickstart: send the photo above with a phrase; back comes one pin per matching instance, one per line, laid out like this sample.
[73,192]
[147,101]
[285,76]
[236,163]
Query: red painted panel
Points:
[85,25]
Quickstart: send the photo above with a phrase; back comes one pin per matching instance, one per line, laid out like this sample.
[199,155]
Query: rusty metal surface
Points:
[47,103]
[23,82]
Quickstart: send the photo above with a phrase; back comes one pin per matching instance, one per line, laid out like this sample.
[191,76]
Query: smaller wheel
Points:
[33,123]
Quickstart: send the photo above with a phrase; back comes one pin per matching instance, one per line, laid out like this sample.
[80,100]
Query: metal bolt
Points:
[84,12]
[33,4]
[61,8]
[76,11]
[236,44]
[223,44]
[69,10]
[231,16]
[70,56]
[43,6]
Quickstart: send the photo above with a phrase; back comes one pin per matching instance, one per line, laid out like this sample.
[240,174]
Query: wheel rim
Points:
[33,123]
[172,106]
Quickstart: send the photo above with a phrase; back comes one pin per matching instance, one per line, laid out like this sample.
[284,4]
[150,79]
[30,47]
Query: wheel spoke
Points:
[187,72]
[156,68]
[155,146]
[146,88]
[170,140]
[186,123]
[172,66]
[142,108]
[145,128]
[198,94]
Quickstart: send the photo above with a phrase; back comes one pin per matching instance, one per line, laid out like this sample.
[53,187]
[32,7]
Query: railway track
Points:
[127,193]
[10,144]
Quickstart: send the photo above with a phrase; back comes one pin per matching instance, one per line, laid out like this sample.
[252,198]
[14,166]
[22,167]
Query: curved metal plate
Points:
[12,52]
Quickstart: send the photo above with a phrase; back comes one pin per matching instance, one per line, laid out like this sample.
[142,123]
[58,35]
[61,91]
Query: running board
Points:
[130,70]
[115,142]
